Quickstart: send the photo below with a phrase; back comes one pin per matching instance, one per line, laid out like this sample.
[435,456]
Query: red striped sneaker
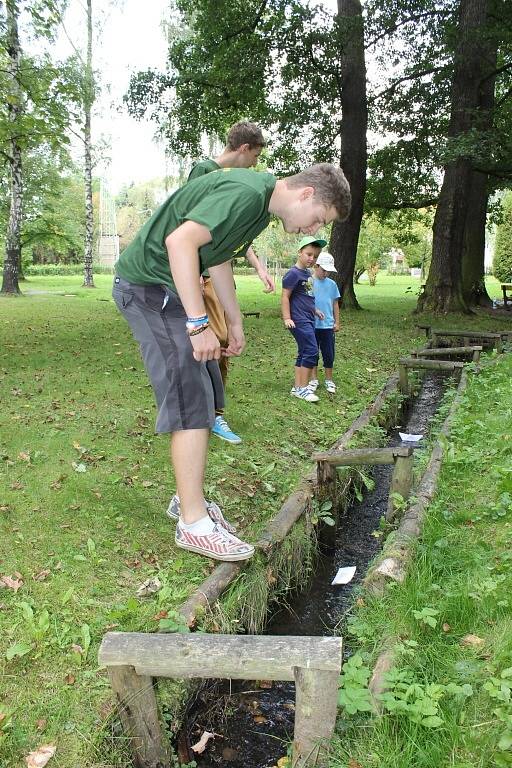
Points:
[173,512]
[219,544]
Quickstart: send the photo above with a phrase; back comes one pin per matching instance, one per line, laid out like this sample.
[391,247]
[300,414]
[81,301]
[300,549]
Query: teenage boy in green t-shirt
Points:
[244,143]
[202,226]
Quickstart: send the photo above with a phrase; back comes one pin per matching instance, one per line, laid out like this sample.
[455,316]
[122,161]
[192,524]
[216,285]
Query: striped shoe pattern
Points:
[219,544]
[173,511]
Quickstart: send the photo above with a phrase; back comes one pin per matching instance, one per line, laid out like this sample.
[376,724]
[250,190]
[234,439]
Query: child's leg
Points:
[307,357]
[327,345]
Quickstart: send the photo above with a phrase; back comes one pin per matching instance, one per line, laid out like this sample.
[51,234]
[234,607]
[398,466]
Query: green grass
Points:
[462,573]
[75,397]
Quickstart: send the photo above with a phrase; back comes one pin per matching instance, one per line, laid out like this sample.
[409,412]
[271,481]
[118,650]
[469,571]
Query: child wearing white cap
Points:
[326,295]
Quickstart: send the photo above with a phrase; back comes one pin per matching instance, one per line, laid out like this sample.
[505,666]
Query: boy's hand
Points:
[289,323]
[319,314]
[205,346]
[336,327]
[236,341]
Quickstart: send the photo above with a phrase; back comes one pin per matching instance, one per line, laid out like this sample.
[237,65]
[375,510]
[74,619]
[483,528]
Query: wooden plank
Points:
[440,351]
[138,712]
[239,657]
[359,456]
[469,334]
[436,365]
[315,717]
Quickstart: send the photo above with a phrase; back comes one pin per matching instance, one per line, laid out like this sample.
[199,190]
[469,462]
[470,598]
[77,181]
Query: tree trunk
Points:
[15,111]
[88,101]
[473,256]
[443,290]
[354,120]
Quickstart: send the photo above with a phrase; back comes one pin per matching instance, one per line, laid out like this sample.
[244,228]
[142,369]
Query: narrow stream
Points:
[253,725]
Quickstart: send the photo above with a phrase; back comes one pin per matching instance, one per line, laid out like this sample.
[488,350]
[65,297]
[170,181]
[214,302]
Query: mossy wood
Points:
[401,482]
[133,659]
[359,456]
[443,351]
[435,365]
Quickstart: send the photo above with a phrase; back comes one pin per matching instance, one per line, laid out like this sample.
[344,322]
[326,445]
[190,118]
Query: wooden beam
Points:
[238,657]
[138,712]
[441,351]
[468,334]
[401,482]
[403,380]
[436,365]
[359,456]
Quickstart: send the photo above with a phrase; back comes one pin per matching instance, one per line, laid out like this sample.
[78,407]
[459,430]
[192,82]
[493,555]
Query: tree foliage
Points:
[502,265]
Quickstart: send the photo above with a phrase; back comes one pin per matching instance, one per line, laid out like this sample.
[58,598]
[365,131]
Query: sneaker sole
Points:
[214,555]
[227,439]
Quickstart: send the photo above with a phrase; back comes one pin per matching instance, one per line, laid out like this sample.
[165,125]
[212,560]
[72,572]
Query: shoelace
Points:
[223,423]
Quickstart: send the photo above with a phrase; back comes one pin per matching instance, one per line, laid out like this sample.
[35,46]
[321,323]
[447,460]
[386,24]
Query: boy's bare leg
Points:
[328,374]
[313,374]
[304,375]
[188,455]
[297,376]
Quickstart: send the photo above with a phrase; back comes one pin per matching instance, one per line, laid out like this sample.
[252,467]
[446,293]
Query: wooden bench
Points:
[506,287]
[251,314]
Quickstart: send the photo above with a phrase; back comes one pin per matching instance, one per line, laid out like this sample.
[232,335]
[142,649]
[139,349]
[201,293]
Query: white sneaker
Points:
[313,385]
[303,393]
[330,386]
[293,390]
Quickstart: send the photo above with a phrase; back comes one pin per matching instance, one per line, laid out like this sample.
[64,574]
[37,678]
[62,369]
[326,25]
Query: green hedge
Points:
[64,269]
[503,248]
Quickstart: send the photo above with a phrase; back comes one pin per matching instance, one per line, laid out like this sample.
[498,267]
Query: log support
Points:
[401,483]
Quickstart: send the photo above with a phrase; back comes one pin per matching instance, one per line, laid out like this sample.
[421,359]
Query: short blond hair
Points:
[330,185]
[245,132]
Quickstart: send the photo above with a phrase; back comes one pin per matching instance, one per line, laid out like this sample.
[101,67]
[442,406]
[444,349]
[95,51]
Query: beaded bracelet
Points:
[199,329]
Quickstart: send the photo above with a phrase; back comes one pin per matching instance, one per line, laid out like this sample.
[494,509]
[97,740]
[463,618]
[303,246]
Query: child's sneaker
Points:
[304,393]
[219,544]
[293,390]
[313,385]
[173,511]
[330,386]
[221,429]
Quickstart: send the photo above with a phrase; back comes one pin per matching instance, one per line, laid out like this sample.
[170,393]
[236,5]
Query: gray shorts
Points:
[186,392]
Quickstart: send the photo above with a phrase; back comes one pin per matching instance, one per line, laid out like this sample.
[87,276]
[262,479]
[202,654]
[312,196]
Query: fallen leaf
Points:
[283,762]
[147,483]
[354,764]
[265,684]
[260,719]
[472,641]
[41,724]
[24,456]
[70,679]
[148,587]
[229,754]
[200,746]
[78,467]
[160,615]
[10,583]
[446,627]
[77,648]
[17,486]
[74,507]
[40,757]
[41,576]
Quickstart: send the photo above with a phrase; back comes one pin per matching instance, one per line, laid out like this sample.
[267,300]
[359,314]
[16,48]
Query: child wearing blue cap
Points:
[298,311]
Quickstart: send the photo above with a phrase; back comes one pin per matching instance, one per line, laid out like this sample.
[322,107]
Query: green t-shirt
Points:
[231,203]
[202,168]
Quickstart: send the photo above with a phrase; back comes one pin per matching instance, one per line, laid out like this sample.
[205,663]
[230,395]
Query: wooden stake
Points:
[315,716]
[401,482]
[403,380]
[138,711]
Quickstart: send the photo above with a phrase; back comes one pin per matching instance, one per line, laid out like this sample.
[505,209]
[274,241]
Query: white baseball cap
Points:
[326,261]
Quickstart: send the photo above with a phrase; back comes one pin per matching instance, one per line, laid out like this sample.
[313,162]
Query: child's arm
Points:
[336,312]
[285,308]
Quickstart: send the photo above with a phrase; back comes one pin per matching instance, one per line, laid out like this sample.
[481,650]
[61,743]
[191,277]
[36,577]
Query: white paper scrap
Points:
[408,438]
[344,575]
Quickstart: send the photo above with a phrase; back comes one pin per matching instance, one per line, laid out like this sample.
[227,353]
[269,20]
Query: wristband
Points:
[196,320]
[199,329]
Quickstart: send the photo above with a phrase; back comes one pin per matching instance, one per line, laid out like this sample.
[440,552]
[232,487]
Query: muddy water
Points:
[252,725]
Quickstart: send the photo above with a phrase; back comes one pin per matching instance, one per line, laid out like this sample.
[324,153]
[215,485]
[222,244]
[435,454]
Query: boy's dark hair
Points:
[331,186]
[245,132]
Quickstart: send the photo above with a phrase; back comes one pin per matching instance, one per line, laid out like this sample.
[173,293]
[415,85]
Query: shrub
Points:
[64,269]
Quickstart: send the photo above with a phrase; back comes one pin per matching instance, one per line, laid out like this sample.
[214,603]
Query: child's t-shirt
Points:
[325,292]
[302,300]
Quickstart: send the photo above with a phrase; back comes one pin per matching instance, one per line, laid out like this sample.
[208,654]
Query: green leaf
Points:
[18,649]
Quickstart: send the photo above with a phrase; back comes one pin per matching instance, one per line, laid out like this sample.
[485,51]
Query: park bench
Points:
[507,299]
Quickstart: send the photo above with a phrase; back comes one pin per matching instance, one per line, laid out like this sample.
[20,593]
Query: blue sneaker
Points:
[221,429]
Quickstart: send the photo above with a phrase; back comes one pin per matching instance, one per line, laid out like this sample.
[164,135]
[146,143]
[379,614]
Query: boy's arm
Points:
[222,279]
[285,308]
[183,250]
[260,270]
[336,312]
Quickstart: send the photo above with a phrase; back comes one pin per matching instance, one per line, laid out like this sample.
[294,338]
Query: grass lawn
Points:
[84,482]
[449,703]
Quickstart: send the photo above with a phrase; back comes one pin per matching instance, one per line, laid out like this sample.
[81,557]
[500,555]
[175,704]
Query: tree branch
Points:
[427,203]
[250,27]
[409,20]
[405,78]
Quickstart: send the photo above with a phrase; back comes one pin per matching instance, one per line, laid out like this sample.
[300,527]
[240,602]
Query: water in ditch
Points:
[253,724]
